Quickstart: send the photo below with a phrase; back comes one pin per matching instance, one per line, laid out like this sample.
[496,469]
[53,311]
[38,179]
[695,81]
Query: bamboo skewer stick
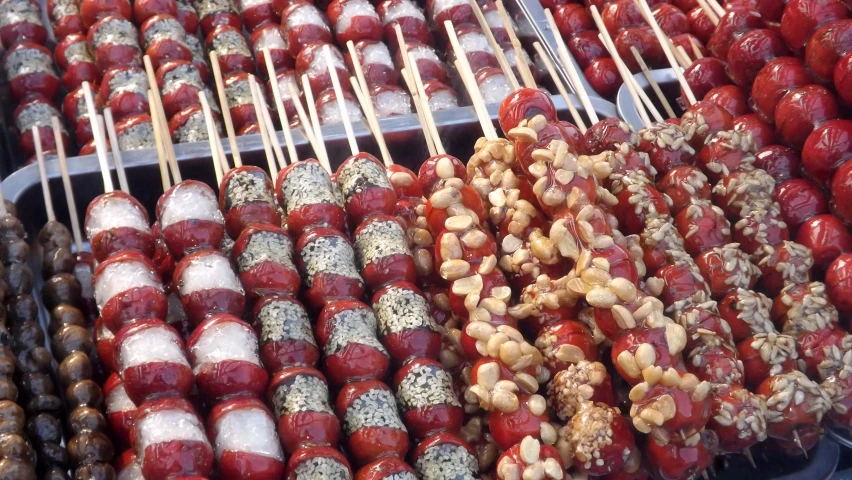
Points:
[211,137]
[696,49]
[708,10]
[498,50]
[270,129]
[720,11]
[42,173]
[261,123]
[468,79]
[654,85]
[100,148]
[226,112]
[341,102]
[279,105]
[319,146]
[413,75]
[684,55]
[162,121]
[523,67]
[66,183]
[578,120]
[420,106]
[161,156]
[367,104]
[116,151]
[661,37]
[304,119]
[573,75]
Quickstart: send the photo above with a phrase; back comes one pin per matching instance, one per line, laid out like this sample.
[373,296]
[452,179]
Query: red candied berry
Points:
[827,148]
[727,268]
[582,382]
[683,185]
[682,281]
[669,405]
[608,134]
[822,351]
[803,306]
[725,152]
[642,38]
[746,312]
[732,25]
[681,461]
[603,76]
[802,110]
[700,318]
[530,459]
[730,97]
[825,47]
[648,347]
[841,77]
[738,417]
[704,119]
[764,355]
[658,239]
[671,19]
[667,146]
[838,282]
[741,189]
[827,238]
[838,387]
[638,200]
[702,226]
[782,264]
[802,17]
[781,162]
[436,170]
[795,405]
[530,418]
[586,47]
[705,74]
[841,192]
[621,14]
[750,52]
[715,361]
[565,343]
[599,439]
[762,133]
[761,225]
[700,25]
[774,80]
[800,200]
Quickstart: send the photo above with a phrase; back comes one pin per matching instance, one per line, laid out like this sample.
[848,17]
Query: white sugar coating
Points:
[443,100]
[319,62]
[227,245]
[194,45]
[373,408]
[210,7]
[182,75]
[35,114]
[376,54]
[445,462]
[131,80]
[392,103]
[140,135]
[208,272]
[122,276]
[424,52]
[403,9]
[307,183]
[493,19]
[440,6]
[224,341]
[247,430]
[116,31]
[357,175]
[13,12]
[267,247]
[330,112]
[308,14]
[426,386]
[246,4]
[133,471]
[475,41]
[166,426]
[351,9]
[283,81]
[321,468]
[118,401]
[246,187]
[302,393]
[25,61]
[190,201]
[378,240]
[353,326]
[231,42]
[194,129]
[399,309]
[79,52]
[285,320]
[156,344]
[511,58]
[495,88]
[328,255]
[166,28]
[401,476]
[270,38]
